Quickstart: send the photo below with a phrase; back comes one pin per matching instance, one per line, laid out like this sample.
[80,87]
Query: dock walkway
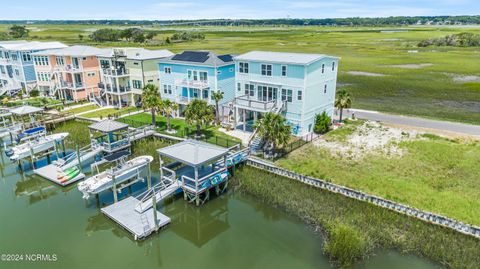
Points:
[140,225]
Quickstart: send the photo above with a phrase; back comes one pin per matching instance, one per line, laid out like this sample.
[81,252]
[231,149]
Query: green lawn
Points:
[110,112]
[434,174]
[82,109]
[211,132]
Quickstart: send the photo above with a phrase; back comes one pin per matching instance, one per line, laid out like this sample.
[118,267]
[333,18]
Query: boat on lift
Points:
[12,129]
[34,146]
[124,171]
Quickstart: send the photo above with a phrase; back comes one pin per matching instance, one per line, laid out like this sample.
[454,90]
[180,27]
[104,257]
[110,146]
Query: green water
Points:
[231,231]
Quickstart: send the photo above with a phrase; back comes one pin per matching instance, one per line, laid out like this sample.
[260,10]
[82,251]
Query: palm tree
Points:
[342,101]
[198,112]
[151,100]
[273,129]
[217,96]
[168,108]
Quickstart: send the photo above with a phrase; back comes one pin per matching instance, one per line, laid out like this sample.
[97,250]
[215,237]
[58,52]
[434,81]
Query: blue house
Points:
[196,75]
[17,70]
[297,85]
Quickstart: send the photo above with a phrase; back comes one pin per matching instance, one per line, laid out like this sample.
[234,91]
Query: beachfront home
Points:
[71,74]
[196,74]
[125,71]
[297,85]
[16,64]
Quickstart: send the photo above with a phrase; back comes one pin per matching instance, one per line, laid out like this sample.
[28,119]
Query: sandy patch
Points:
[371,138]
[410,66]
[366,74]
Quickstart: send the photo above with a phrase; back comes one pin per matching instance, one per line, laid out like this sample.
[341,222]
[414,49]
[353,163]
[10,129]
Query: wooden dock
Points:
[140,225]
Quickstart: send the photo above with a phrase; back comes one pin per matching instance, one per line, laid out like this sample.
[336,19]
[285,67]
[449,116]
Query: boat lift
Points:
[198,167]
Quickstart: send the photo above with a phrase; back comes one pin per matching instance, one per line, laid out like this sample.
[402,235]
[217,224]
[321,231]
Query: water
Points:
[231,231]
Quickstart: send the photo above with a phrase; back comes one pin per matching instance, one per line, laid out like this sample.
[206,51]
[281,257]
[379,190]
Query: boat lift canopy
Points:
[25,110]
[193,152]
[108,126]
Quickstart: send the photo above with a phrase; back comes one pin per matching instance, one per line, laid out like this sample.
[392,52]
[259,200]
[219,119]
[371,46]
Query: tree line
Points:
[455,40]
[15,31]
[354,21]
[136,35]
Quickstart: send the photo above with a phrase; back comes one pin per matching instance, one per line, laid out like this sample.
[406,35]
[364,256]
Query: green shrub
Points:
[322,123]
[34,93]
[345,245]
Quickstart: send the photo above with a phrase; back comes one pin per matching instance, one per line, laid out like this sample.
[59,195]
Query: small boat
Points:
[124,171]
[38,145]
[70,173]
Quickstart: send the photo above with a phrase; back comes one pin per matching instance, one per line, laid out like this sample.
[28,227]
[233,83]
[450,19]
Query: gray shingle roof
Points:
[193,152]
[31,45]
[107,126]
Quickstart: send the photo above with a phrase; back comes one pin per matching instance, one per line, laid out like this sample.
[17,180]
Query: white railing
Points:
[200,84]
[246,101]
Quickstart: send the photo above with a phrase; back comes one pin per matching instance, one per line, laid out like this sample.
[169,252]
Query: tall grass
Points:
[358,227]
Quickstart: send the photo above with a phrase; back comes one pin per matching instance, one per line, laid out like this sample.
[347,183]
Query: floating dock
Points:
[50,172]
[140,225]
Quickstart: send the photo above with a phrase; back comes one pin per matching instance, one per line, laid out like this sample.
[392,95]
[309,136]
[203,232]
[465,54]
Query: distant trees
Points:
[136,35]
[18,31]
[456,40]
[187,36]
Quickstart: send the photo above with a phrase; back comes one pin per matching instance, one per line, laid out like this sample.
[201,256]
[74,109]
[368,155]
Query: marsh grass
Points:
[78,133]
[359,227]
[433,173]
[429,91]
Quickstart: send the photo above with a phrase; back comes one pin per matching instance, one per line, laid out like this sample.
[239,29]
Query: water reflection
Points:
[35,189]
[201,224]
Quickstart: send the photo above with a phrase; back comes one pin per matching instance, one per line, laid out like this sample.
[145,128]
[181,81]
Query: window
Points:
[27,57]
[167,89]
[84,58]
[41,60]
[333,66]
[266,70]
[203,76]
[284,70]
[287,95]
[247,89]
[137,84]
[135,63]
[239,86]
[17,73]
[90,74]
[167,70]
[323,68]
[205,94]
[14,57]
[325,89]
[243,67]
[150,81]
[299,95]
[60,60]
[252,90]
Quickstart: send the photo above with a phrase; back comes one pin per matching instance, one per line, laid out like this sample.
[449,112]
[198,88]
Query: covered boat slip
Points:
[196,167]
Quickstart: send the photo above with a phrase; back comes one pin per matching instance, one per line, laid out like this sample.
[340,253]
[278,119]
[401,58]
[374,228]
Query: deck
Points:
[140,225]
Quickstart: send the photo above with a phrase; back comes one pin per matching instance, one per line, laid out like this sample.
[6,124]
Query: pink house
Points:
[70,74]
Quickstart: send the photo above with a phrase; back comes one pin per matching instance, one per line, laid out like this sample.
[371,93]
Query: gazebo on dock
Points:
[199,166]
[114,135]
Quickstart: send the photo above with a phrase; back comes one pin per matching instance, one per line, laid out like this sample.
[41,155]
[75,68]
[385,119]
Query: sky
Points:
[230,9]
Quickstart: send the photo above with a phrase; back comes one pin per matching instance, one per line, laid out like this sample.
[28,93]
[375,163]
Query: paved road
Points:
[460,128]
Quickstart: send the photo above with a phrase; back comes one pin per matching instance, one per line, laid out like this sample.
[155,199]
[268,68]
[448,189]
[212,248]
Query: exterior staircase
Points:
[255,142]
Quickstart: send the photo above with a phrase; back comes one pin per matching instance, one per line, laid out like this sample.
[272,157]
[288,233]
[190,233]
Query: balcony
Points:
[248,103]
[121,89]
[115,72]
[70,85]
[69,68]
[197,84]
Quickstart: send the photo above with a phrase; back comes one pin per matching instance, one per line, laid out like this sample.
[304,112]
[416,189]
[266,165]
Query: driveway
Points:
[453,127]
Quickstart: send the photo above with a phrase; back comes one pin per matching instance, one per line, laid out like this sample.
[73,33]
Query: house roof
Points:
[81,51]
[144,54]
[193,152]
[108,126]
[281,57]
[25,110]
[205,58]
[31,45]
